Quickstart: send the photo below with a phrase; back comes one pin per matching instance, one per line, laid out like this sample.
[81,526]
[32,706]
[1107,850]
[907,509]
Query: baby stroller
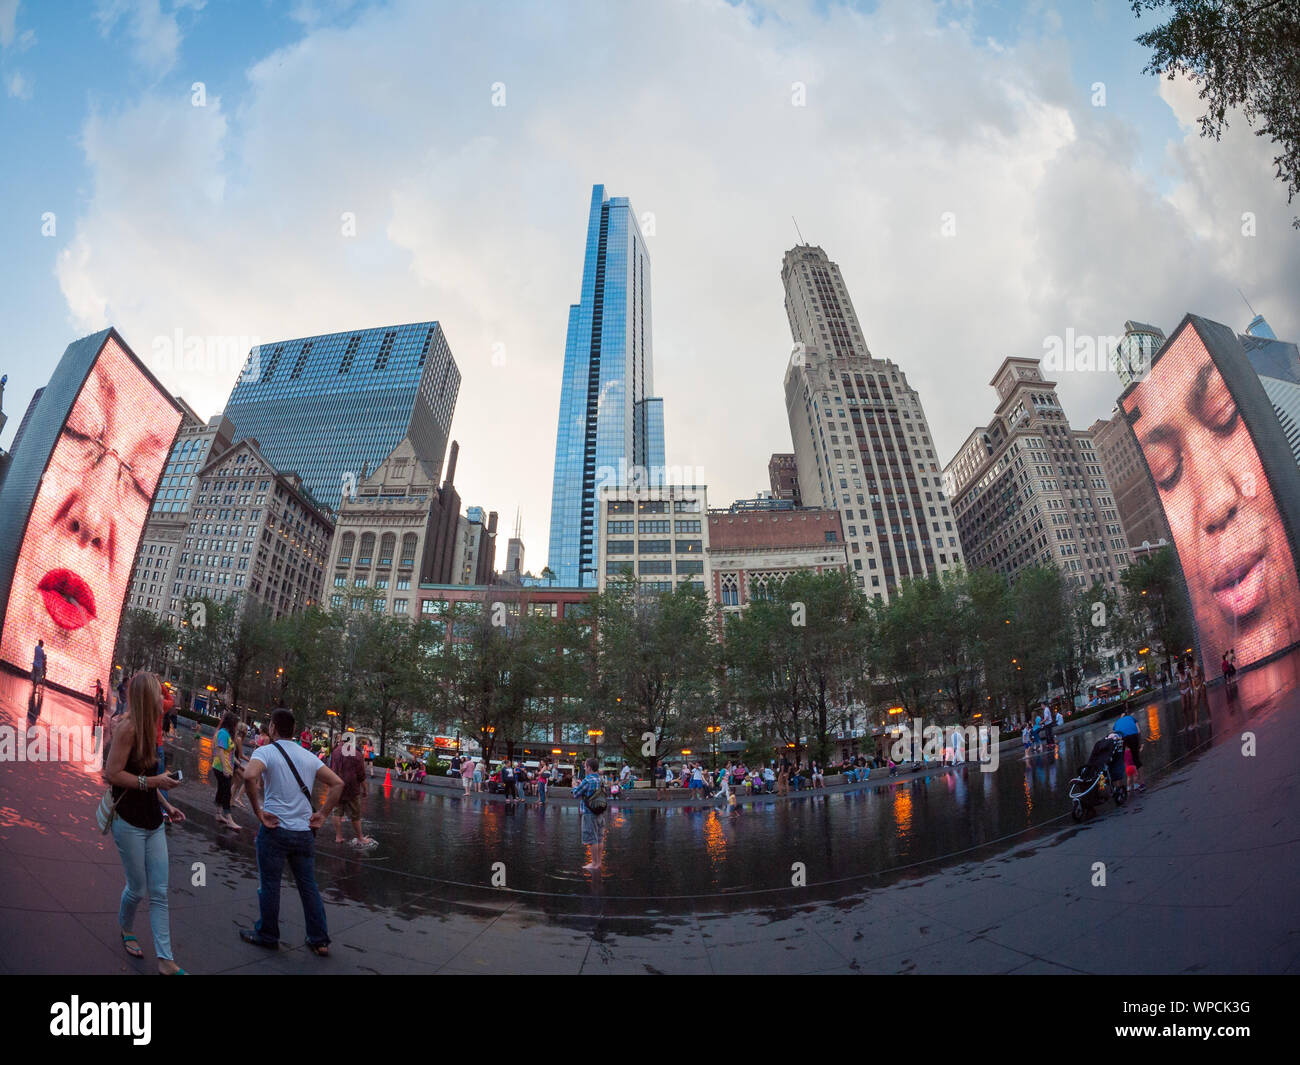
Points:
[1106,763]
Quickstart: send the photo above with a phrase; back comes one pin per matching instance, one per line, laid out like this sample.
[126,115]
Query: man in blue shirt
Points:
[593,825]
[38,663]
[1127,727]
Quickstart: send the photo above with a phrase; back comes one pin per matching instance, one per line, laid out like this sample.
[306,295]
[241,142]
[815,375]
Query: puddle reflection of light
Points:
[715,840]
[1153,722]
[902,811]
[205,757]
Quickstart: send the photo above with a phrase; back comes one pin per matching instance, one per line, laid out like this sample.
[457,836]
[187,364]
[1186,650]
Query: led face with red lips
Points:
[68,599]
[70,577]
[1232,544]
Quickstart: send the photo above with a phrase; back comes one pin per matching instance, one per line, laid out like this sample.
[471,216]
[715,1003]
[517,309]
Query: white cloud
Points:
[17,86]
[475,214]
[155,35]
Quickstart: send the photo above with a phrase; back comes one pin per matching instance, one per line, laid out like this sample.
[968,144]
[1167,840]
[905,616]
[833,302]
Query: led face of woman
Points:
[85,525]
[1230,537]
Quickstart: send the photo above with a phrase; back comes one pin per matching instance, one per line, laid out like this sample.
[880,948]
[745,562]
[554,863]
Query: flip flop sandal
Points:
[321,950]
[126,944]
[250,936]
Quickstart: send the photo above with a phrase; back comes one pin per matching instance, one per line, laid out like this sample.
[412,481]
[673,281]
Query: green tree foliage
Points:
[656,659]
[795,655]
[224,644]
[1242,54]
[144,641]
[497,668]
[1157,601]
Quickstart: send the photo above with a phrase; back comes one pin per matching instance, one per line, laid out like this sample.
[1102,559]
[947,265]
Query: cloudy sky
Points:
[172,165]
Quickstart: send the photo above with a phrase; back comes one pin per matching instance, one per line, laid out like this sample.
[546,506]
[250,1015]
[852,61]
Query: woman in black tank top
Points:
[138,827]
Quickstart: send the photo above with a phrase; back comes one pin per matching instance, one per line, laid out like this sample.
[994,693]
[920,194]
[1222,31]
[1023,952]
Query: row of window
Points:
[654,547]
[655,566]
[652,506]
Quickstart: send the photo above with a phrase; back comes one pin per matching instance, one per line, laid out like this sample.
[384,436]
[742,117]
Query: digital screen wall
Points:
[1228,483]
[74,504]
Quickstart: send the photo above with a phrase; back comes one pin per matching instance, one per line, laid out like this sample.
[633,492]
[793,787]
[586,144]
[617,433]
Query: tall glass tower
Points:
[1137,347]
[611,428]
[331,408]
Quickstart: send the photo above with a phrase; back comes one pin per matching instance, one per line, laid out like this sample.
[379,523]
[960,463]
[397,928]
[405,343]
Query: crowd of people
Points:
[1039,734]
[277,778]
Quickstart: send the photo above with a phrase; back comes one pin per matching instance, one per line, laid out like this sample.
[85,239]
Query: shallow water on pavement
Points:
[430,842]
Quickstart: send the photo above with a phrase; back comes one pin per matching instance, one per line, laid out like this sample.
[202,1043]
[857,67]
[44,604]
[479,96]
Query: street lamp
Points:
[713,731]
[594,735]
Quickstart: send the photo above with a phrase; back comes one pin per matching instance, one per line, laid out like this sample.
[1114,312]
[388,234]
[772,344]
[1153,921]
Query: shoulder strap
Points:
[294,770]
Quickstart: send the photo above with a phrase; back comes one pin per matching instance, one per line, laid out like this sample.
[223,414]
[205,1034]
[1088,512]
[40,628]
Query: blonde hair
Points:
[144,704]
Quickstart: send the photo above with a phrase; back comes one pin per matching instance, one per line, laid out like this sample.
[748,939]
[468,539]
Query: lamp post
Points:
[594,735]
[713,731]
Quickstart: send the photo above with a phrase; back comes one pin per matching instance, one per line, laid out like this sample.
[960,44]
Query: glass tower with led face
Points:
[331,408]
[611,429]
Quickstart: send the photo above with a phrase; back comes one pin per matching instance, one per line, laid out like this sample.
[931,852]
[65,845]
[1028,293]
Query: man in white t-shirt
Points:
[281,800]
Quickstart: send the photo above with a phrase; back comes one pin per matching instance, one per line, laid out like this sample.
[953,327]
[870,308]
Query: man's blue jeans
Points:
[275,846]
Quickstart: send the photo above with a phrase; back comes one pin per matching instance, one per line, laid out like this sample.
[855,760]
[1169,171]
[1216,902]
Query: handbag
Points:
[107,809]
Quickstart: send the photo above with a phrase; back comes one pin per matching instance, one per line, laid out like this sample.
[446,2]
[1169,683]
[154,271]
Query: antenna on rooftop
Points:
[1246,302]
[518,523]
[796,229]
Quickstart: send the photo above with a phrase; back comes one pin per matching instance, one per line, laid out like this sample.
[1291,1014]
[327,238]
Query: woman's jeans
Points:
[275,846]
[144,858]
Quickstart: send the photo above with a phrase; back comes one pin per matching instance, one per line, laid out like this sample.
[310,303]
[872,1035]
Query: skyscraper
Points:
[861,441]
[611,429]
[154,584]
[1030,491]
[1140,512]
[331,408]
[1137,347]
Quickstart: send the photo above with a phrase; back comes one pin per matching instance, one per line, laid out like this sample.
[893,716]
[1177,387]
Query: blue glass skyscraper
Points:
[333,407]
[610,420]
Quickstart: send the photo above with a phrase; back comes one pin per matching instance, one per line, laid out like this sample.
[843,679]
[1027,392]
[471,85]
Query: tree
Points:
[766,682]
[995,639]
[224,643]
[656,658]
[831,644]
[143,640]
[902,654]
[304,659]
[942,609]
[1041,607]
[1154,592]
[1094,619]
[1242,54]
[496,668]
[391,679]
